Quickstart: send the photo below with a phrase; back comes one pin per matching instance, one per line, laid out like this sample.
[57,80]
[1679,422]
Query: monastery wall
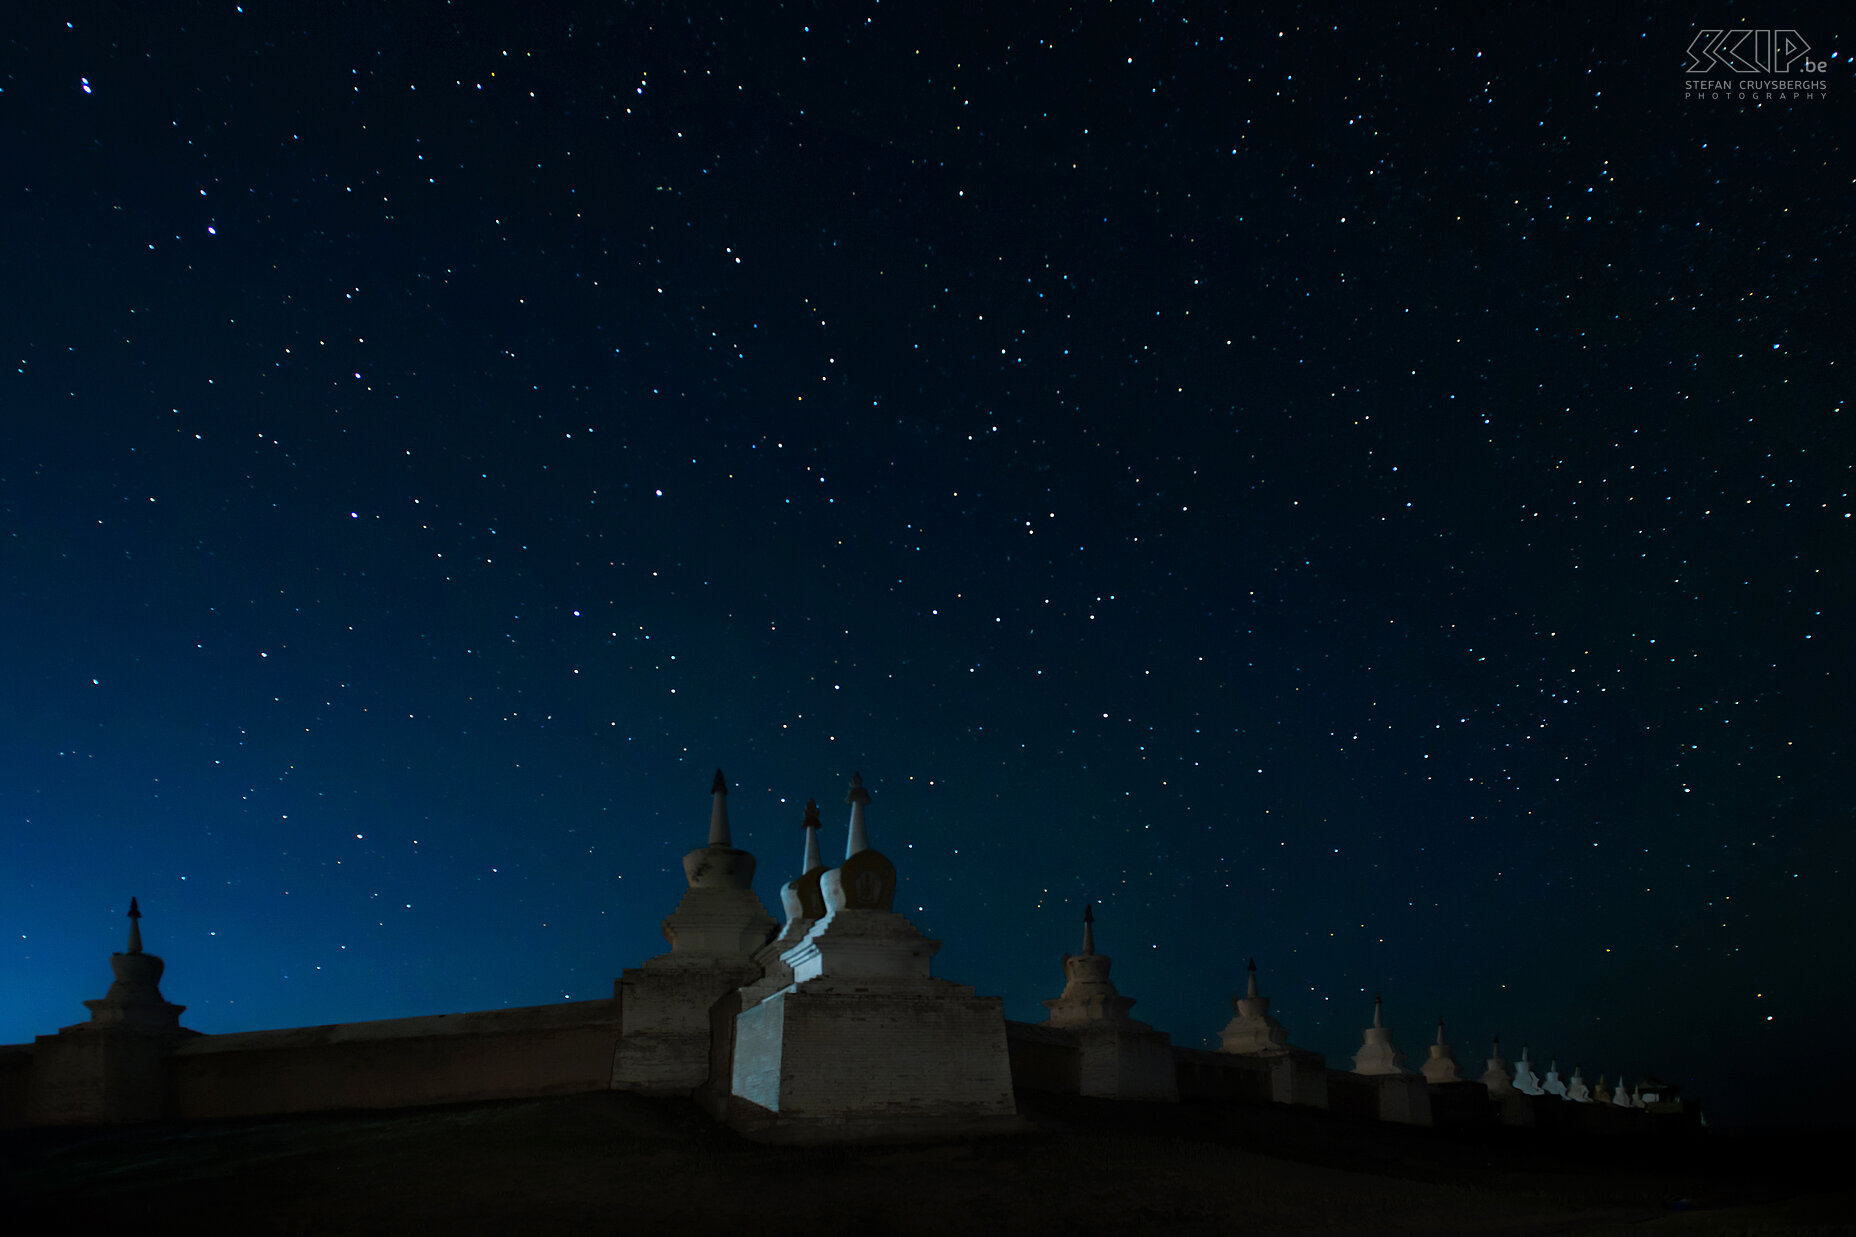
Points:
[1043,1058]
[15,1079]
[1222,1076]
[397,1063]
[834,1032]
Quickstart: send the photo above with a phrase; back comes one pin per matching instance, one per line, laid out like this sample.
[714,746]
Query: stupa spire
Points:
[812,824]
[1089,930]
[1378,1004]
[858,797]
[718,812]
[135,928]
[1250,980]
[804,903]
[802,896]
[867,879]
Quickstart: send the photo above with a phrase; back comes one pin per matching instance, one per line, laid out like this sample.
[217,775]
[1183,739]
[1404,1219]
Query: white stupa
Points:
[1254,1031]
[134,1000]
[862,1043]
[1496,1075]
[1117,1055]
[714,934]
[1576,1089]
[1524,1080]
[111,1068]
[1089,995]
[1378,1054]
[1553,1084]
[1441,1067]
[802,898]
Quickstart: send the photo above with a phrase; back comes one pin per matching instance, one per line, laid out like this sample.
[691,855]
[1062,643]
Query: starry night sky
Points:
[1369,493]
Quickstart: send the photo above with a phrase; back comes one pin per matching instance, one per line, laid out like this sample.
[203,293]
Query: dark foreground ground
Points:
[615,1163]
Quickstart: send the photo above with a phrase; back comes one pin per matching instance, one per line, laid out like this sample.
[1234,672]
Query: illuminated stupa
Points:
[862,1042]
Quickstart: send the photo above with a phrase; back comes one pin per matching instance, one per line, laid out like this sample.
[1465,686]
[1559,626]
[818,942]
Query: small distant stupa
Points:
[1378,1055]
[1253,1031]
[1441,1067]
[1497,1076]
[1118,1056]
[1524,1080]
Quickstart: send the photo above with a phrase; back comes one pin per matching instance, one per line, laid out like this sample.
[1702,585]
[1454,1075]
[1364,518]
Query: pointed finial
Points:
[135,928]
[1376,1004]
[718,813]
[1089,929]
[1440,1029]
[1250,981]
[857,797]
[812,825]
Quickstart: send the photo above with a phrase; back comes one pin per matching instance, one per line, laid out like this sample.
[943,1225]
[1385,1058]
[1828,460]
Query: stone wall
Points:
[1043,1058]
[1403,1098]
[99,1076]
[666,1034]
[402,1062]
[859,1056]
[1222,1077]
[15,1079]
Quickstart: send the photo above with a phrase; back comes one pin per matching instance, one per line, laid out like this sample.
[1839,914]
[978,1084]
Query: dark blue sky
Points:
[1369,493]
